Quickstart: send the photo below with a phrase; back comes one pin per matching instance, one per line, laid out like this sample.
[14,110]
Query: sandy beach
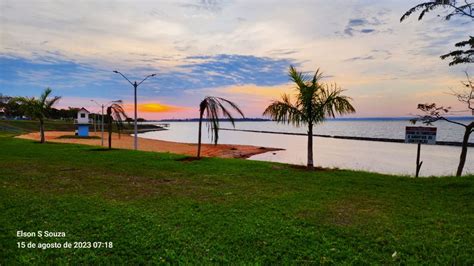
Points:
[126,142]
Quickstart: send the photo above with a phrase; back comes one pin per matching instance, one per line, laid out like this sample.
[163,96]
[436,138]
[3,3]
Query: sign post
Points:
[418,163]
[419,135]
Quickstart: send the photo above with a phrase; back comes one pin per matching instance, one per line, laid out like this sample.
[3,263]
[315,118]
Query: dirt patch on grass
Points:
[102,149]
[353,210]
[277,167]
[315,169]
[188,159]
[68,169]
[118,187]
[72,180]
[345,212]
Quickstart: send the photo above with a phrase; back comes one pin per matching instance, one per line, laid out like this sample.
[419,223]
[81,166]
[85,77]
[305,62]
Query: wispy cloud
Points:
[206,5]
[195,45]
[373,55]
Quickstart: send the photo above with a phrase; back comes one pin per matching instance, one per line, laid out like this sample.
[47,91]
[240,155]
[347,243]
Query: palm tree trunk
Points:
[465,141]
[310,146]
[42,140]
[199,133]
[110,131]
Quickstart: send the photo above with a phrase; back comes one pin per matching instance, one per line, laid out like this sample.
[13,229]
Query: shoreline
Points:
[125,141]
[443,143]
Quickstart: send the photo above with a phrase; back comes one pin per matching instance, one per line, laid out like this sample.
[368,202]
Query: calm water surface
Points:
[382,157]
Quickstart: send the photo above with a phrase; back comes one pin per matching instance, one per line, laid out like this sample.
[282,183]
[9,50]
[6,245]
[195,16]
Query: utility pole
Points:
[102,128]
[102,124]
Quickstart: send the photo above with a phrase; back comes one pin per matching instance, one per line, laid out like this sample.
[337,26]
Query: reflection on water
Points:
[383,157]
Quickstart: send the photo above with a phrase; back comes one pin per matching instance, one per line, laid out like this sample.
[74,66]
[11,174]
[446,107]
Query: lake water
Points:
[382,157]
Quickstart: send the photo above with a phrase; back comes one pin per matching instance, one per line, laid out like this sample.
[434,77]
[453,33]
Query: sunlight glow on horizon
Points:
[155,108]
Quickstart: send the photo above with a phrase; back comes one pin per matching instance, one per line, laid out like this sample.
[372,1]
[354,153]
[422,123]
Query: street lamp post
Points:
[102,126]
[135,86]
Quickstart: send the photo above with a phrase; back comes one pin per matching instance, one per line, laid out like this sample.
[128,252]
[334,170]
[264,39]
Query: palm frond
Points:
[225,112]
[44,96]
[285,112]
[37,108]
[213,107]
[314,102]
[49,103]
[116,112]
[332,102]
[298,78]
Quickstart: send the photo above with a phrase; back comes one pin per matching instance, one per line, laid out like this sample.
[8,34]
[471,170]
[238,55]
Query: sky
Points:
[239,50]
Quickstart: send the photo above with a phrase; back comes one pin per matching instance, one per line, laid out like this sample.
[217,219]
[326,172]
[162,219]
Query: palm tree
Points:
[115,113]
[315,101]
[212,107]
[38,108]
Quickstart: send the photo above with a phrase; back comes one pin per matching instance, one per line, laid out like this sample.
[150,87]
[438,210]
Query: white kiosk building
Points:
[82,122]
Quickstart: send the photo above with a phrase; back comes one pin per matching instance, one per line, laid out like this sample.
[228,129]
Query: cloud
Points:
[24,75]
[373,55]
[206,5]
[199,72]
[357,22]
[361,58]
[196,45]
[246,90]
[362,25]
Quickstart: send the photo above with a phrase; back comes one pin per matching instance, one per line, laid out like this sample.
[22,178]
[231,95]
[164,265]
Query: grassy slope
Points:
[25,126]
[157,208]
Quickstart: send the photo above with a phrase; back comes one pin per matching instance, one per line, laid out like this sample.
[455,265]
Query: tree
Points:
[11,107]
[462,56]
[38,108]
[115,113]
[456,8]
[315,101]
[211,107]
[3,100]
[433,113]
[64,114]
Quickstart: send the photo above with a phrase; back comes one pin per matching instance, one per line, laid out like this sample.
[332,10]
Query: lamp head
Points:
[115,71]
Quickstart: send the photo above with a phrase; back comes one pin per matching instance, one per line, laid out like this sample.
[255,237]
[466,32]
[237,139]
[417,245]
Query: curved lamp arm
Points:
[149,76]
[115,71]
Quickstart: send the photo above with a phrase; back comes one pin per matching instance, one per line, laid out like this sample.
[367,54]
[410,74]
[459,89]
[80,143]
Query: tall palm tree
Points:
[38,108]
[115,113]
[211,107]
[315,101]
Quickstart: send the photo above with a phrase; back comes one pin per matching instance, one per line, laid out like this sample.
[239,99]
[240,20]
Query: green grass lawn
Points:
[25,126]
[159,208]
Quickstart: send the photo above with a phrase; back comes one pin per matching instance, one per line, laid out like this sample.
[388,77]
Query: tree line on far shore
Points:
[10,108]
